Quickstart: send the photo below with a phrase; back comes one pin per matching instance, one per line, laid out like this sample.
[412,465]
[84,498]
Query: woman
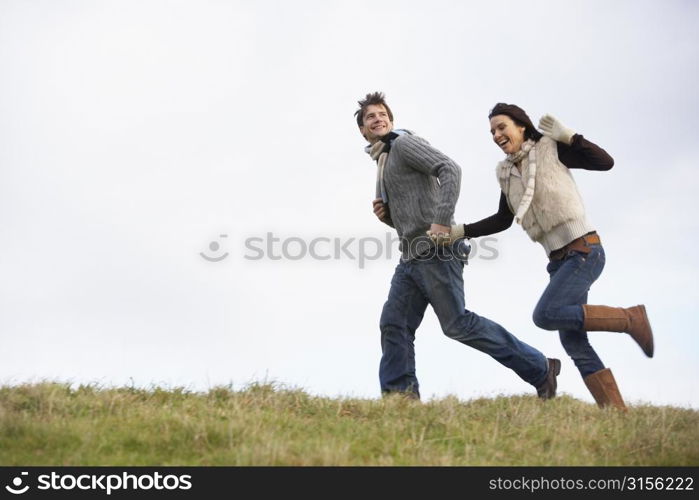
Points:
[538,191]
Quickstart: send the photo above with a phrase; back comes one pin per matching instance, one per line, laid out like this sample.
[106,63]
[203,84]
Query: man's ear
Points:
[361,131]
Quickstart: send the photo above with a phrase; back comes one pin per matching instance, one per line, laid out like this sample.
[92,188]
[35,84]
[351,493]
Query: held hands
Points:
[445,235]
[551,127]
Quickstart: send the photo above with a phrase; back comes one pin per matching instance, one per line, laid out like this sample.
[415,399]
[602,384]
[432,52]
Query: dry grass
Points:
[266,424]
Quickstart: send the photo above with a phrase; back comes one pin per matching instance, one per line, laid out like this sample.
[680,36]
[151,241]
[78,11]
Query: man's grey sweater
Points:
[423,186]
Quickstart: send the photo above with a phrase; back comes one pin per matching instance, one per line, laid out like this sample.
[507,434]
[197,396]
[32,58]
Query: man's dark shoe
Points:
[547,390]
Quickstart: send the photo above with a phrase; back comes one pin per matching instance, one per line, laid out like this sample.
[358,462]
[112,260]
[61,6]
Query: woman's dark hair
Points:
[373,98]
[519,117]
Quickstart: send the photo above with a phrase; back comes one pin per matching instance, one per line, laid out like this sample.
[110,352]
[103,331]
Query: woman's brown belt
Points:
[581,244]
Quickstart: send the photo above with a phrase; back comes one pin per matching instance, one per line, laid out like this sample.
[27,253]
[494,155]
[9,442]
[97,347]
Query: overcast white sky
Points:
[133,134]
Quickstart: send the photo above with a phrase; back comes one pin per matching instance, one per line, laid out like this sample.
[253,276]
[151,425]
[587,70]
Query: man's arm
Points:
[419,155]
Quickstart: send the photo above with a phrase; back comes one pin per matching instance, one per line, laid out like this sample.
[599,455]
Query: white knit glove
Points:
[551,127]
[456,233]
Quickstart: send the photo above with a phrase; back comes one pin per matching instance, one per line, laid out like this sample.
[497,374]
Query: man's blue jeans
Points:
[560,306]
[438,281]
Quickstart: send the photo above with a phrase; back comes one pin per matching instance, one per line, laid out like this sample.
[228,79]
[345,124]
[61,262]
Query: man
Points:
[417,189]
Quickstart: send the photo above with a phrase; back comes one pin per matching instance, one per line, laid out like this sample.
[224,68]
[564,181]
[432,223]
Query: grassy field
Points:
[267,424]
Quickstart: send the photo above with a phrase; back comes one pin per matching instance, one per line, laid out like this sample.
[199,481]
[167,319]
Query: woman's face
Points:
[506,133]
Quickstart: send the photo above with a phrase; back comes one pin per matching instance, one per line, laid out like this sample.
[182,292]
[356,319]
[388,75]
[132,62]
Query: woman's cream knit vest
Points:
[556,215]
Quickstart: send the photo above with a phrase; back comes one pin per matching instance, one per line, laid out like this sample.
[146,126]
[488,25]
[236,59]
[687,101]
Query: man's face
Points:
[376,123]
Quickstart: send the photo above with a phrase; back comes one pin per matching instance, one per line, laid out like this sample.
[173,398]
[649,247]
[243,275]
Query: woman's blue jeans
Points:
[560,306]
[438,281]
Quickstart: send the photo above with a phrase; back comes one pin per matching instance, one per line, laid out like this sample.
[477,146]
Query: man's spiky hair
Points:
[372,98]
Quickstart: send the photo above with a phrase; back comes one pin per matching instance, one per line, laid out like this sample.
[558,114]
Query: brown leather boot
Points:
[603,388]
[632,320]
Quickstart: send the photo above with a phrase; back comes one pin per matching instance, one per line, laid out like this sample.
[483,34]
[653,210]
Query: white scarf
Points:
[529,150]
[379,152]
